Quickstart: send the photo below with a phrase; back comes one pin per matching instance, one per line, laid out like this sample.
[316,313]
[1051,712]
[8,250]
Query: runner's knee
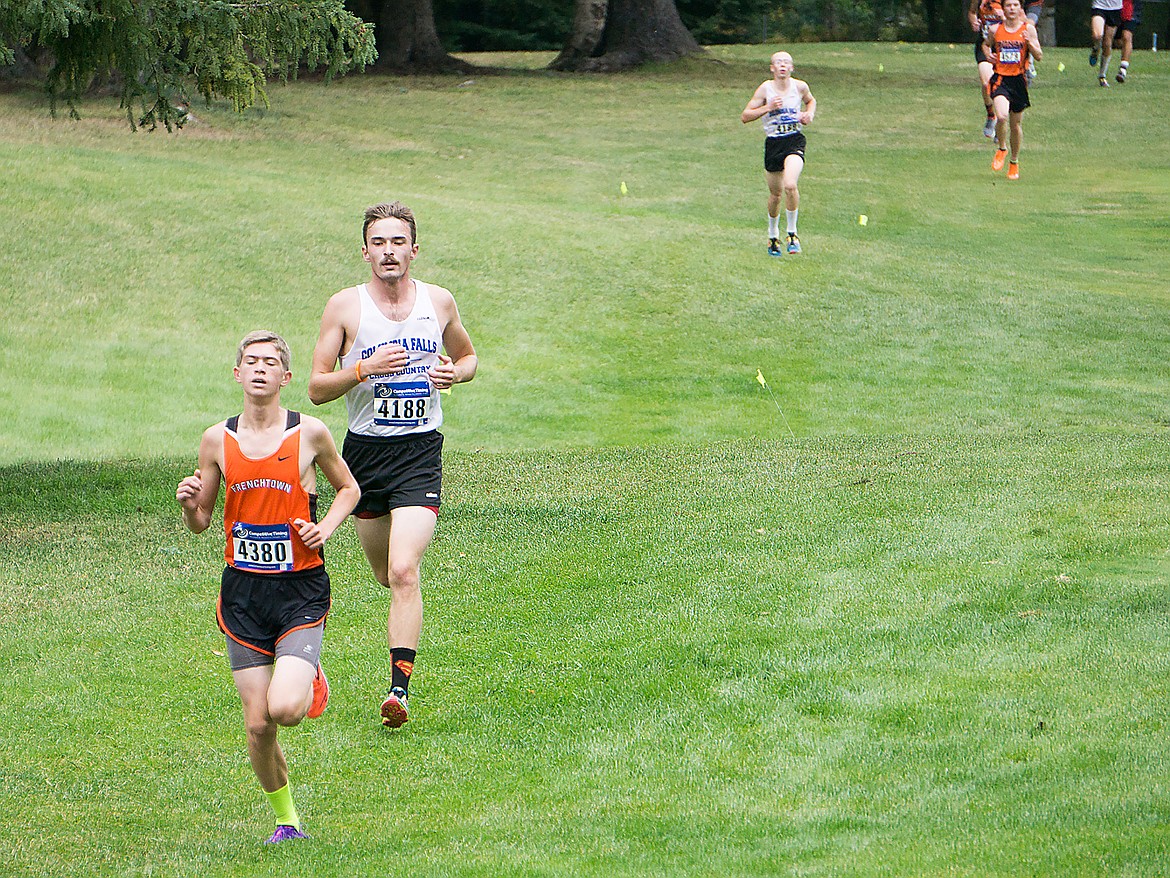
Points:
[403,576]
[285,709]
[259,728]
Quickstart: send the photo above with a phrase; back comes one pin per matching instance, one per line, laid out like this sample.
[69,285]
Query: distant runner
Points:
[1012,44]
[785,104]
[1105,20]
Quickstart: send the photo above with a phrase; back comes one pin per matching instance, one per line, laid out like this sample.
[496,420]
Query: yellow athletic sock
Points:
[282,803]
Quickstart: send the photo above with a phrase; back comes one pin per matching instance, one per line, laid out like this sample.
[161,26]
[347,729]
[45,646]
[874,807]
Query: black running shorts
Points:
[1112,16]
[1014,88]
[980,55]
[777,149]
[258,609]
[395,471]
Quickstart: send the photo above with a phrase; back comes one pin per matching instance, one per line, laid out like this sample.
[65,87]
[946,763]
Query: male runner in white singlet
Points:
[785,104]
[381,346]
[1103,24]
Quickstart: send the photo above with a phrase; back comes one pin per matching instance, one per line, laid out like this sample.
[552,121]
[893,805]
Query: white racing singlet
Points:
[405,402]
[786,120]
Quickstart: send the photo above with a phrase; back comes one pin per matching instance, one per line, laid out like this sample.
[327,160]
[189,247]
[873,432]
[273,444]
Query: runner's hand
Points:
[442,374]
[310,533]
[386,360]
[188,490]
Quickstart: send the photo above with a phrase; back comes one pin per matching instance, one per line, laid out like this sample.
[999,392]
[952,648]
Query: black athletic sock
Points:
[401,664]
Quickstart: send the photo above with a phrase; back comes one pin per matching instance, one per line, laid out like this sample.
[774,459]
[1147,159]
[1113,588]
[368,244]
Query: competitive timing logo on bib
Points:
[242,531]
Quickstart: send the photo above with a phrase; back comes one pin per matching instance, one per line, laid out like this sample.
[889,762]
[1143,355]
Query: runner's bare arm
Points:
[756,107]
[197,493]
[808,104]
[326,382]
[329,461]
[460,362]
[1034,42]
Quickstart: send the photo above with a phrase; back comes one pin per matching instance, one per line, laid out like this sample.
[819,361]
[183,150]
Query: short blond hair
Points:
[261,336]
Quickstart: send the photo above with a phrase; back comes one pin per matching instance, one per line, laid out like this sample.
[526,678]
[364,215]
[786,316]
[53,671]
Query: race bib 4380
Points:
[263,547]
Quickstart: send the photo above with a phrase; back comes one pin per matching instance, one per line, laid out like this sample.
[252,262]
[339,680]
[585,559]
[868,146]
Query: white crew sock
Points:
[792,221]
[773,226]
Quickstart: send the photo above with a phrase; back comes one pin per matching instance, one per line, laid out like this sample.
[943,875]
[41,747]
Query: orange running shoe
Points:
[320,694]
[1014,171]
[997,162]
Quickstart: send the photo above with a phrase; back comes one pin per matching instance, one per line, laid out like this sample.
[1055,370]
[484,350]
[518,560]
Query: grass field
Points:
[925,632]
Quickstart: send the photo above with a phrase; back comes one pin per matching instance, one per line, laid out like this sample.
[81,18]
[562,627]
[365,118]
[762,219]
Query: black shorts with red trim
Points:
[1014,88]
[258,609]
[395,471]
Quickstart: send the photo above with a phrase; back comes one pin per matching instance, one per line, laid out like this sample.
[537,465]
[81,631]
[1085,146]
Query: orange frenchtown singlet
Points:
[1011,50]
[263,497]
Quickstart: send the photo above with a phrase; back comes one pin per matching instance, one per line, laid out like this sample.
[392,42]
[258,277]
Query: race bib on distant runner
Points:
[263,547]
[1009,54]
[782,122]
[402,403]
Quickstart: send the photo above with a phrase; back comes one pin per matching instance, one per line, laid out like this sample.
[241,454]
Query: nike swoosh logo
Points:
[286,457]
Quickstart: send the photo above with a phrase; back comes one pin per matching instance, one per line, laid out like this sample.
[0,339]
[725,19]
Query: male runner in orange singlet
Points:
[1011,44]
[274,593]
[985,16]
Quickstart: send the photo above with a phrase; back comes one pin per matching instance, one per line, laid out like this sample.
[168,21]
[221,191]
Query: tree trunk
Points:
[1046,26]
[632,32]
[585,38]
[405,34]
[930,13]
[24,66]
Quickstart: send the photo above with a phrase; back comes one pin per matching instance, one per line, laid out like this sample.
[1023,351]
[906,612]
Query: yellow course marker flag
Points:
[625,191]
[764,384]
[863,220]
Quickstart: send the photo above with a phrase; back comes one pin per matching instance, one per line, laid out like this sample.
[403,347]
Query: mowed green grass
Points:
[923,633]
[132,263]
